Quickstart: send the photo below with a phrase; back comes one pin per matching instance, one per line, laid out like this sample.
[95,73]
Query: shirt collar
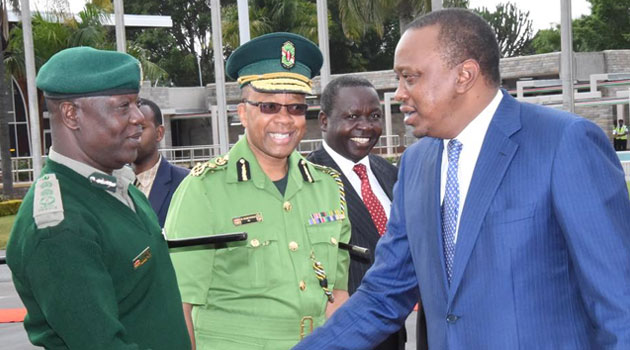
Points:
[146,177]
[345,164]
[476,130]
[124,176]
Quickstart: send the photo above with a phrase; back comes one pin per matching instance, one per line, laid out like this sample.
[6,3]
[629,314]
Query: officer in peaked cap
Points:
[86,251]
[268,292]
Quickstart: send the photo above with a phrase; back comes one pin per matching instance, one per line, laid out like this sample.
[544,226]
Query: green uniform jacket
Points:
[99,279]
[258,293]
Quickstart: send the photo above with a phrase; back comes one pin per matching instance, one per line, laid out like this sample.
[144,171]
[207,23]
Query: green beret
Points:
[84,71]
[276,62]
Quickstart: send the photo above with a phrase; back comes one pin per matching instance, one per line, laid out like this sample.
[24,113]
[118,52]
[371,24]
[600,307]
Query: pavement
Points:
[13,336]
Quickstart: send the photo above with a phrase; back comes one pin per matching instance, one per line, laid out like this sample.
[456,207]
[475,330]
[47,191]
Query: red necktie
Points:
[372,203]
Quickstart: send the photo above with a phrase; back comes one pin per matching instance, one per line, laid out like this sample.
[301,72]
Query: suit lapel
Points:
[494,159]
[360,216]
[159,191]
[380,177]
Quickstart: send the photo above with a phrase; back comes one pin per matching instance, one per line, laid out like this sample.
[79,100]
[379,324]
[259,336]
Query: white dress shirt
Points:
[472,139]
[346,166]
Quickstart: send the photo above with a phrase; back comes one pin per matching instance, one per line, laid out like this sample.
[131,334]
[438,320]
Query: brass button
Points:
[254,243]
[302,285]
[293,246]
[333,240]
[287,206]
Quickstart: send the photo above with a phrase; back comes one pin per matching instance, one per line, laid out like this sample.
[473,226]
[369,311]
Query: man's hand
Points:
[340,297]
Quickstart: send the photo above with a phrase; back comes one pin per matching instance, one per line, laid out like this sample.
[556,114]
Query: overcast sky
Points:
[542,12]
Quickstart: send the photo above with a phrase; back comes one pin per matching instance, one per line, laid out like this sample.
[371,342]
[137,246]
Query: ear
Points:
[323,121]
[468,73]
[69,115]
[159,130]
[242,114]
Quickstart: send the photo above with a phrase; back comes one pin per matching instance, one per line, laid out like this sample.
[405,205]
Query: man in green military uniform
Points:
[290,275]
[86,251]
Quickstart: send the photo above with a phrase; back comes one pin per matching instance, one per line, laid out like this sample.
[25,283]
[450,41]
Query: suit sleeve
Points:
[74,290]
[385,298]
[591,203]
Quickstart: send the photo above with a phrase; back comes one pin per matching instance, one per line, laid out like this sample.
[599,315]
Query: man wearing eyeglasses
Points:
[289,276]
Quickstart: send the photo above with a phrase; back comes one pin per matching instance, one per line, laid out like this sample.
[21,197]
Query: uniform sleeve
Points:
[590,200]
[74,290]
[189,216]
[343,258]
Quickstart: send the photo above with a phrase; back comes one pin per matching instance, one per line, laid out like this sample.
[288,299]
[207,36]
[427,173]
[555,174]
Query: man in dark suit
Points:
[351,120]
[509,219]
[155,176]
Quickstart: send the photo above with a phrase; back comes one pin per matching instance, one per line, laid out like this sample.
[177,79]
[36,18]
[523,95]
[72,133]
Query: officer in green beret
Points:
[272,290]
[86,251]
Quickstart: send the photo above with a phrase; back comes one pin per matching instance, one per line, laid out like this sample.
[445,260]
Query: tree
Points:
[607,28]
[359,16]
[268,16]
[177,48]
[546,40]
[512,27]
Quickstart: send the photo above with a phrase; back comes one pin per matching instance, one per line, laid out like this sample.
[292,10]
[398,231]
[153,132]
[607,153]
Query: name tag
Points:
[142,258]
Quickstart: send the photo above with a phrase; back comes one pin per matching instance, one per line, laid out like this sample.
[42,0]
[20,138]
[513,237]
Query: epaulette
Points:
[337,177]
[213,164]
[327,170]
[47,204]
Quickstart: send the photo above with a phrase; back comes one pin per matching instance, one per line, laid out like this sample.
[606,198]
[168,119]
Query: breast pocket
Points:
[324,239]
[249,264]
[513,227]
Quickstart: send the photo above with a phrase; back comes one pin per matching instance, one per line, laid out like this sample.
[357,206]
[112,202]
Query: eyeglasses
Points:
[272,107]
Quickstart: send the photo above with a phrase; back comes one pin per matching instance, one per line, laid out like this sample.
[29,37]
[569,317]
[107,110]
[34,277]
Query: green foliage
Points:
[546,40]
[512,27]
[10,207]
[268,16]
[176,49]
[606,28]
[55,32]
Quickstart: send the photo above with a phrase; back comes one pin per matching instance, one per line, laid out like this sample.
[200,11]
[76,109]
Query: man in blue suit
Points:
[155,176]
[509,219]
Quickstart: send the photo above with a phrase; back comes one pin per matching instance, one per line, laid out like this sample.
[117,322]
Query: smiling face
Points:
[272,137]
[108,130]
[355,122]
[427,86]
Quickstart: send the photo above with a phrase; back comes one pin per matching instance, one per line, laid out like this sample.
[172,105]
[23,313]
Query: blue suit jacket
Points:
[542,259]
[166,181]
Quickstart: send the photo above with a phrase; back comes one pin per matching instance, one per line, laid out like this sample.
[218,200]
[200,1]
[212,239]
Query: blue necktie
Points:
[450,207]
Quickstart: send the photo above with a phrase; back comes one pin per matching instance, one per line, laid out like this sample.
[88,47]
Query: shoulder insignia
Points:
[213,164]
[47,204]
[306,174]
[324,169]
[242,170]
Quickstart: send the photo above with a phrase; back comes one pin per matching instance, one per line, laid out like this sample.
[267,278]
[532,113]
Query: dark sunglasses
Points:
[272,107]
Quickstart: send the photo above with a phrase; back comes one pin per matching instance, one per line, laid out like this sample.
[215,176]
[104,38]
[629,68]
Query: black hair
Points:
[327,99]
[157,113]
[465,35]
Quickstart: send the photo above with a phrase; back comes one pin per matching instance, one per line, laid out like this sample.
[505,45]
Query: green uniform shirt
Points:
[92,273]
[258,293]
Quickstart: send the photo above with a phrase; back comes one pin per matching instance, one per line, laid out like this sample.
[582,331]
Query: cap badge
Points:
[288,55]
